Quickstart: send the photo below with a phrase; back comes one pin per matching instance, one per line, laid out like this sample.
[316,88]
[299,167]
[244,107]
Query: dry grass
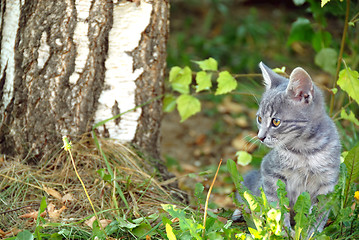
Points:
[24,185]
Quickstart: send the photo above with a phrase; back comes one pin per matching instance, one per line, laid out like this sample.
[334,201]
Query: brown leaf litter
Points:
[23,185]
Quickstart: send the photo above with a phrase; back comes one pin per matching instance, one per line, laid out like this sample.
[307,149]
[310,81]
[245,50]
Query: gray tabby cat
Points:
[305,144]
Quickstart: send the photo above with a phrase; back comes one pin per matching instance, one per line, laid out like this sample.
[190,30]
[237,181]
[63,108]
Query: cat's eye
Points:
[276,122]
[259,119]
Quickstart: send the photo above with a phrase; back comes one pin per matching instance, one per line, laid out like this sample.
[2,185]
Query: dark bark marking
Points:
[151,56]
[36,123]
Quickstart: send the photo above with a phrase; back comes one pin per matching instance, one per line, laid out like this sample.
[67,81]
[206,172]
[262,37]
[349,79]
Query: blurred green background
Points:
[241,33]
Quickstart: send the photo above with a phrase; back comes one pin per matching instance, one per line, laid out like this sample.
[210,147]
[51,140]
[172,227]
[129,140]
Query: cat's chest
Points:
[303,173]
[303,164]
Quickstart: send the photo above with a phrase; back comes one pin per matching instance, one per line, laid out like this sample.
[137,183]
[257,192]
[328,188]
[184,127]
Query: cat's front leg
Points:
[269,184]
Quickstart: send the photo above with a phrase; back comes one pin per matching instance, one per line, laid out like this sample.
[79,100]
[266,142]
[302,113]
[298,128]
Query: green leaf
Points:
[327,60]
[351,161]
[169,103]
[321,39]
[198,190]
[274,215]
[236,177]
[169,231]
[253,204]
[124,223]
[214,236]
[142,229]
[351,117]
[103,175]
[187,106]
[265,200]
[301,31]
[203,80]
[301,207]
[180,79]
[255,233]
[97,231]
[209,64]
[348,81]
[185,223]
[255,209]
[282,195]
[243,158]
[323,237]
[25,235]
[226,83]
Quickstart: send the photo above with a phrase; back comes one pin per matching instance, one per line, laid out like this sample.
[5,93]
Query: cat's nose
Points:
[261,138]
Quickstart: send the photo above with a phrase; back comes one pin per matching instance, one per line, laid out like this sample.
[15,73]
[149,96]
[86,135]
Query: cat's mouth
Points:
[269,142]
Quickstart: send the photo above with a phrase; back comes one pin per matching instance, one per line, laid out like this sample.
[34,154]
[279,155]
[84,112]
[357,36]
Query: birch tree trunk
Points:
[68,64]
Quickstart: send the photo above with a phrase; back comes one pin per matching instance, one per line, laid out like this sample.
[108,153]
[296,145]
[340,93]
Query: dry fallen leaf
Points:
[189,168]
[10,233]
[227,106]
[242,122]
[68,198]
[53,192]
[32,215]
[54,214]
[103,222]
[241,144]
[174,220]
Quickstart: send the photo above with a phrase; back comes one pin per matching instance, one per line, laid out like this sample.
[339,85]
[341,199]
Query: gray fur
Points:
[305,146]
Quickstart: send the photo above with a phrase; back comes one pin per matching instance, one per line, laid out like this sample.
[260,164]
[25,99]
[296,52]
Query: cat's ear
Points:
[271,79]
[300,87]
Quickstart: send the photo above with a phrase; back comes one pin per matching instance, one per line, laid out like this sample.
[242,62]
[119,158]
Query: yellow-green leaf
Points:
[187,106]
[351,117]
[323,2]
[243,158]
[169,103]
[203,80]
[180,79]
[349,82]
[169,231]
[208,64]
[279,70]
[226,83]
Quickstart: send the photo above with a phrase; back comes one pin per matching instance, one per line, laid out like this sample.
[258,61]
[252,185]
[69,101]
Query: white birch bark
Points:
[65,65]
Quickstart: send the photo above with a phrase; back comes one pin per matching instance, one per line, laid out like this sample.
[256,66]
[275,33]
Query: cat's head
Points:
[289,107]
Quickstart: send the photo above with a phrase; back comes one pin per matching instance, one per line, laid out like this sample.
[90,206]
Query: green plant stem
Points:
[97,143]
[340,57]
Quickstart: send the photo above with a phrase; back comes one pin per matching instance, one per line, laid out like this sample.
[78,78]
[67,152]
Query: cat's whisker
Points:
[253,143]
[250,141]
[253,95]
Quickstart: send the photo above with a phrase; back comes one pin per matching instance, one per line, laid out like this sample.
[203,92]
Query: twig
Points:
[207,199]
[19,208]
[340,57]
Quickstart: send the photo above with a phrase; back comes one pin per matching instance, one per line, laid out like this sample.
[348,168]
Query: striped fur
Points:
[305,146]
